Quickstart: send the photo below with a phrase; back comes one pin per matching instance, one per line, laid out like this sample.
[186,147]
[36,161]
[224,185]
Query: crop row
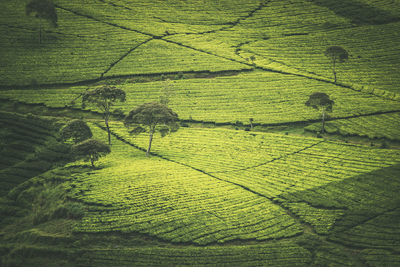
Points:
[159,17]
[276,254]
[22,145]
[373,55]
[379,232]
[289,171]
[377,126]
[79,49]
[158,56]
[265,97]
[220,150]
[275,19]
[173,202]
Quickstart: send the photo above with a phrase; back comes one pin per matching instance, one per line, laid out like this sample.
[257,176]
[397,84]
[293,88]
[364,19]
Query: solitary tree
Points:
[320,101]
[42,9]
[336,54]
[153,116]
[77,130]
[91,150]
[104,98]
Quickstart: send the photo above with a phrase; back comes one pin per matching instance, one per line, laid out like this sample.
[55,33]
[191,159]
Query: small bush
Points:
[238,123]
[69,210]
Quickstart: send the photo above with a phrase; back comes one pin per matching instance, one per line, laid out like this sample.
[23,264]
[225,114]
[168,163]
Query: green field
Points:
[249,179]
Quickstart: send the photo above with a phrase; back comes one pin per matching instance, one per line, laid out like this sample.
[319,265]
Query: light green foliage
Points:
[321,219]
[158,16]
[68,54]
[274,19]
[268,163]
[373,54]
[158,56]
[174,202]
[282,167]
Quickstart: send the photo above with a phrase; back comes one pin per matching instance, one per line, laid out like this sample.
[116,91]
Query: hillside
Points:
[249,178]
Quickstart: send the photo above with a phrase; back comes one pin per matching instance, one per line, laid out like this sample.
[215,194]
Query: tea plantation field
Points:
[249,178]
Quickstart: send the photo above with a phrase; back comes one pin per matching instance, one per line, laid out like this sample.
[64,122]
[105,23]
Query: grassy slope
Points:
[336,196]
[230,99]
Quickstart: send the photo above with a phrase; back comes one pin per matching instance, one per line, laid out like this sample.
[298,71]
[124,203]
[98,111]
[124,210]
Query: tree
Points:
[91,149]
[104,98]
[155,117]
[77,130]
[42,9]
[336,54]
[320,101]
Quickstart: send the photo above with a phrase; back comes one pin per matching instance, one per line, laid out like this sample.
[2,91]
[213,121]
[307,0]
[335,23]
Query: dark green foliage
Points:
[156,117]
[336,54]
[104,98]
[69,210]
[77,130]
[42,9]
[320,101]
[91,149]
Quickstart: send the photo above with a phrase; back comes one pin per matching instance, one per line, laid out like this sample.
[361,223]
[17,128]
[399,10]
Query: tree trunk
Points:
[92,161]
[323,121]
[108,130]
[150,140]
[334,69]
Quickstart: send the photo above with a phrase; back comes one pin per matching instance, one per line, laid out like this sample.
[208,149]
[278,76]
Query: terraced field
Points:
[28,148]
[268,98]
[301,181]
[219,191]
[376,126]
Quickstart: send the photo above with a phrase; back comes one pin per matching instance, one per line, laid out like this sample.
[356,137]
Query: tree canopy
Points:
[320,101]
[104,98]
[156,117]
[42,9]
[91,150]
[77,130]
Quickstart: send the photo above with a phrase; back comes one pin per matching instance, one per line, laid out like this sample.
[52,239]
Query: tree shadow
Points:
[357,12]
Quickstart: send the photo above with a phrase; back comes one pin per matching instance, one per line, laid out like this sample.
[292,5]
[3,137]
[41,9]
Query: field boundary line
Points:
[306,226]
[272,160]
[124,56]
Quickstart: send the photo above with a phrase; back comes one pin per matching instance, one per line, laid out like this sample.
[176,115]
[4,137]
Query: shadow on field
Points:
[357,12]
[362,198]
